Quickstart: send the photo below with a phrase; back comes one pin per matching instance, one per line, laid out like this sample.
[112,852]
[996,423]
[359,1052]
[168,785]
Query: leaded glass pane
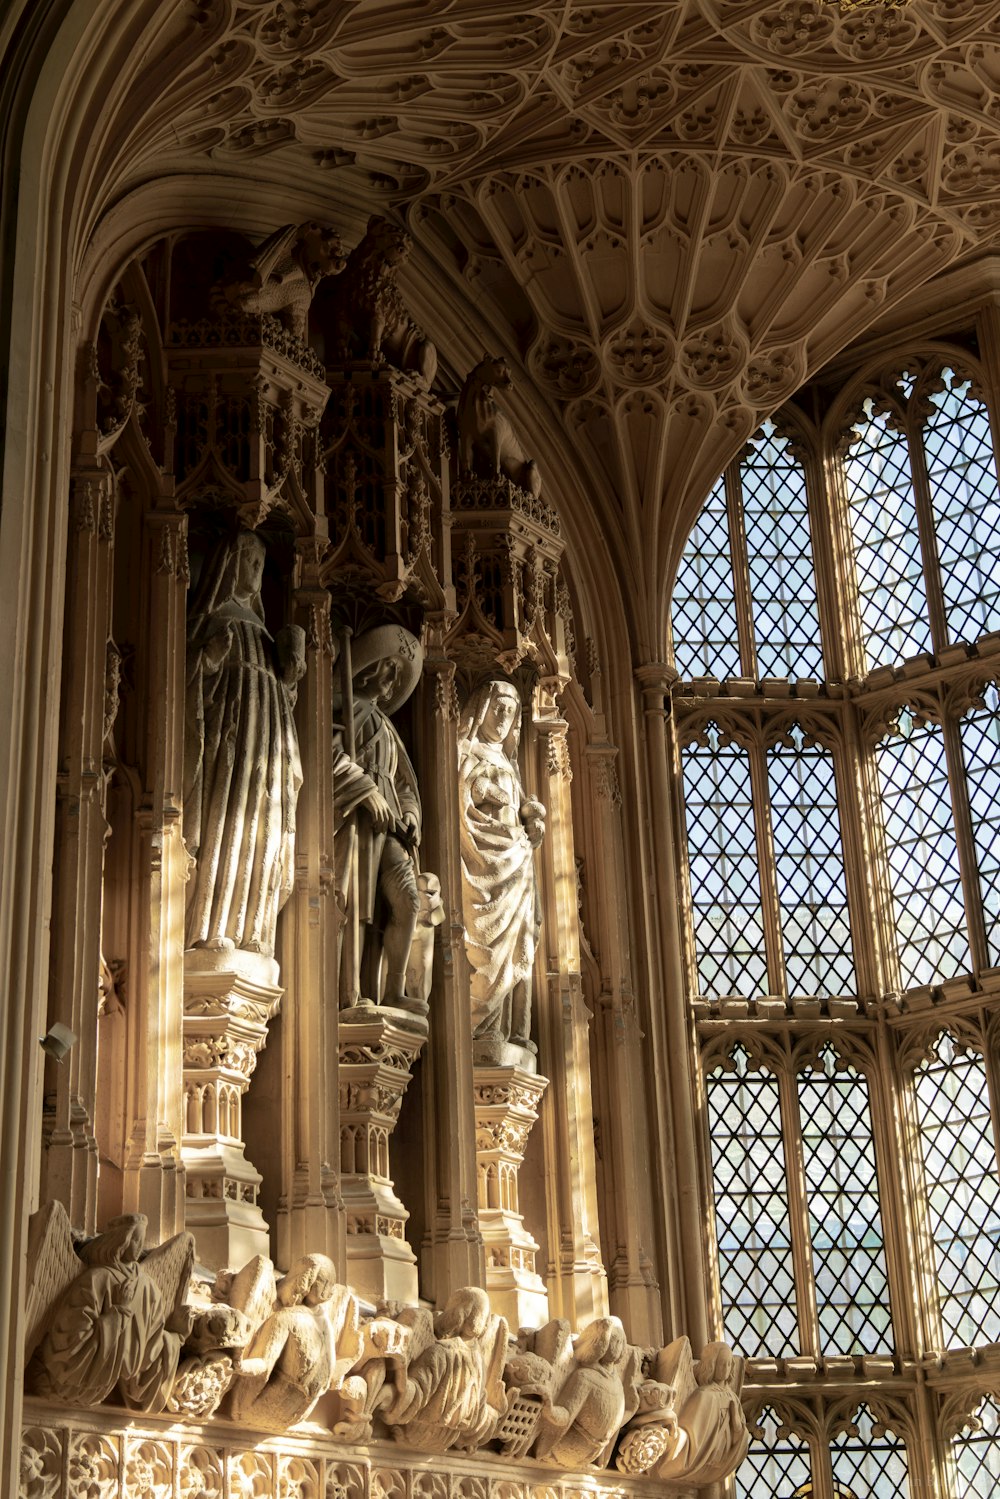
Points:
[961,471]
[751,1211]
[706,643]
[870,1461]
[980,731]
[848,1252]
[722,855]
[963,1191]
[779,555]
[883,516]
[777,1465]
[931,934]
[812,891]
[977,1454]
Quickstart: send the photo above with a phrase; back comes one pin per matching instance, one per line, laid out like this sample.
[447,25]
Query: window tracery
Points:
[843,855]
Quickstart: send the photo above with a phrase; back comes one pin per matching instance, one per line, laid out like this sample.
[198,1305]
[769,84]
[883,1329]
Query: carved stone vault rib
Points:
[673,213]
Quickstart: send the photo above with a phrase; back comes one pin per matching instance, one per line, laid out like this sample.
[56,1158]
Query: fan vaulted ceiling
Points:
[672,212]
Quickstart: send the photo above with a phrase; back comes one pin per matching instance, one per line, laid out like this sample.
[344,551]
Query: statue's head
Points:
[121,1243]
[311,1281]
[250,553]
[319,251]
[493,371]
[466,1314]
[386,665]
[716,1364]
[501,713]
[386,241]
[601,1342]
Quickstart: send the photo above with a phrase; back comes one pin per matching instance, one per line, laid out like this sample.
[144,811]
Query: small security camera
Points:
[57,1041]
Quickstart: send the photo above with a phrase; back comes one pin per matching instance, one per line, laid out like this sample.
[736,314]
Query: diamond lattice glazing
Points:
[977,1454]
[869,1460]
[751,1211]
[704,607]
[886,545]
[980,731]
[931,934]
[963,1191]
[778,1461]
[961,472]
[845,1224]
[779,557]
[725,883]
[812,892]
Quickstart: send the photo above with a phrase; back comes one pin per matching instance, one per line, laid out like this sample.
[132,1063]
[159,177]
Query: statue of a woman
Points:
[500,830]
[242,769]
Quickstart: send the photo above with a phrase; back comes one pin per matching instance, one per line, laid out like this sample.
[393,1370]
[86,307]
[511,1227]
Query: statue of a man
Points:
[500,830]
[377,810]
[242,771]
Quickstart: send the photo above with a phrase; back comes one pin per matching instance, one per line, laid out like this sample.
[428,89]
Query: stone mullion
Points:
[895,1191]
[767,868]
[579,1289]
[867,892]
[838,590]
[741,570]
[881,909]
[831,565]
[798,1209]
[905,1058]
[311,1210]
[965,842]
[153,1172]
[928,542]
[70,1160]
[451,1255]
[628,1232]
[672,1059]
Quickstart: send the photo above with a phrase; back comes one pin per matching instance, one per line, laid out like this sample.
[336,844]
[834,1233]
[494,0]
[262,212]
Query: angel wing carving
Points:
[674,1365]
[169,1266]
[53,1265]
[254,1291]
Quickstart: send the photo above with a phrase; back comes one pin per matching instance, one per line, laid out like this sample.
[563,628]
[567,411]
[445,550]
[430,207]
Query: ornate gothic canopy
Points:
[671,213]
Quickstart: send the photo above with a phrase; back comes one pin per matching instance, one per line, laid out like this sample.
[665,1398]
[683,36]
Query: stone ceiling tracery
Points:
[674,212]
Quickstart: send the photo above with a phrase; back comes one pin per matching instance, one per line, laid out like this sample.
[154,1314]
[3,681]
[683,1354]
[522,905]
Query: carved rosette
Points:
[507,1100]
[226,1010]
[378,1047]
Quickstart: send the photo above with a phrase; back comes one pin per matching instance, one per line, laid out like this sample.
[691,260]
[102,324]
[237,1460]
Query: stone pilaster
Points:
[378,1048]
[228,1001]
[507,1100]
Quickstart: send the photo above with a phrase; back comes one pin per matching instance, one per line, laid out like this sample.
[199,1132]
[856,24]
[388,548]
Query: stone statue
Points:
[690,1427]
[302,1349]
[500,830]
[579,1427]
[450,1392]
[370,319]
[377,811]
[283,274]
[487,444]
[108,1322]
[242,771]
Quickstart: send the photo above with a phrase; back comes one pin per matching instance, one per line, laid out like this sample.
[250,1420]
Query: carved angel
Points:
[108,1320]
[691,1425]
[302,1349]
[581,1425]
[451,1391]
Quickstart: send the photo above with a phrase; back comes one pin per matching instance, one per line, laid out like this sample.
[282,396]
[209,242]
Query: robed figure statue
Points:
[378,818]
[242,768]
[500,830]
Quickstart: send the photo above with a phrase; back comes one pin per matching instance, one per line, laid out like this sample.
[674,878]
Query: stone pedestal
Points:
[378,1047]
[229,997]
[507,1099]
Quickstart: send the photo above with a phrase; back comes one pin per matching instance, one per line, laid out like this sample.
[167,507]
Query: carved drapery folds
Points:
[287,503]
[107,1323]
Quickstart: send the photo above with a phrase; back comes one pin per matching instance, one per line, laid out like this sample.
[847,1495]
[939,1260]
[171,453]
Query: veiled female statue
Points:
[500,830]
[242,769]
